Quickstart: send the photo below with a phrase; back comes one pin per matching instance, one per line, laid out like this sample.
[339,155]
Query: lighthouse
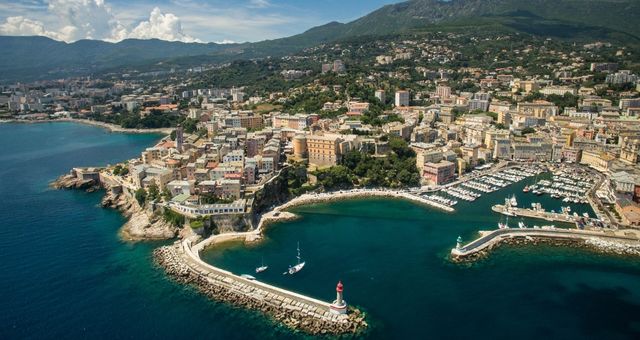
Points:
[339,306]
[459,242]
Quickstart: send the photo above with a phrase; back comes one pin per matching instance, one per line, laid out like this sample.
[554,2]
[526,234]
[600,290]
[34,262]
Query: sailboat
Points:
[262,267]
[298,267]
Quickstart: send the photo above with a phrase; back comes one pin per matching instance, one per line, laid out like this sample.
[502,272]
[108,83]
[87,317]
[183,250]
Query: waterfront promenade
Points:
[490,239]
[360,193]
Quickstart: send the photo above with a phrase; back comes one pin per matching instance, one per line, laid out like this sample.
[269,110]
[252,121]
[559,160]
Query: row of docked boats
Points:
[486,183]
[466,195]
[441,200]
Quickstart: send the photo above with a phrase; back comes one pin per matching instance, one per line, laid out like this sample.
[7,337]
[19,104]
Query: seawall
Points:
[182,262]
[623,242]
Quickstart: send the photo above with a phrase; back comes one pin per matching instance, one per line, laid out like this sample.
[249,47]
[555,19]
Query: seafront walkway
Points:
[361,193]
[491,238]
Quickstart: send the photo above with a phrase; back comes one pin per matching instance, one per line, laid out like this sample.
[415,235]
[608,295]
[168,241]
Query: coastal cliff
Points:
[141,224]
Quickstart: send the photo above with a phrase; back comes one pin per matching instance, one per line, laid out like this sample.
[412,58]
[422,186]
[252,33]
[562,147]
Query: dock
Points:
[539,214]
[490,239]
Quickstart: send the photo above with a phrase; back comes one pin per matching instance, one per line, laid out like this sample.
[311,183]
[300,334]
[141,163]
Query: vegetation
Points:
[398,169]
[141,196]
[119,170]
[172,217]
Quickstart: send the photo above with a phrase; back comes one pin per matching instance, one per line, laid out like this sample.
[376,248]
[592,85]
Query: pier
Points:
[539,214]
[621,239]
[182,261]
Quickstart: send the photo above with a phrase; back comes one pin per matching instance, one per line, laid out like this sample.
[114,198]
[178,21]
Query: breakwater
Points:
[623,242]
[182,262]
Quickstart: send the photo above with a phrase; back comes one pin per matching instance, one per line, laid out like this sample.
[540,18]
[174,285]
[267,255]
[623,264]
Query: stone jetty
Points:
[621,242]
[181,261]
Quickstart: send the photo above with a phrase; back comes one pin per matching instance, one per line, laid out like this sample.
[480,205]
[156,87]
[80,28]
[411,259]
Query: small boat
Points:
[262,267]
[247,276]
[504,225]
[526,189]
[586,215]
[521,225]
[298,267]
[513,201]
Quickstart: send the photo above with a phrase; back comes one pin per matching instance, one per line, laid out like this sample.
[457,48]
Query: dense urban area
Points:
[415,111]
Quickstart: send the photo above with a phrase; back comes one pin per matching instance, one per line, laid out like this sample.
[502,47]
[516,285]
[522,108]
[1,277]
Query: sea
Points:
[65,273]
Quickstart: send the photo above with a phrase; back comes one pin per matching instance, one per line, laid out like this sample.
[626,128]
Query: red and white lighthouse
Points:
[339,306]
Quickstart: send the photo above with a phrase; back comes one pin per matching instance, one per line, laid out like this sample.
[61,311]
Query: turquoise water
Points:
[65,274]
[392,257]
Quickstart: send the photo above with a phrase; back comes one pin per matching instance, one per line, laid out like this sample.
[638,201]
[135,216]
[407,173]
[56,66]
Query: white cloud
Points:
[161,26]
[93,19]
[259,4]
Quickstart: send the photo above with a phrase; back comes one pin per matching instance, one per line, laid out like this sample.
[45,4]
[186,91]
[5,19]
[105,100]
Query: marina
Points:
[473,188]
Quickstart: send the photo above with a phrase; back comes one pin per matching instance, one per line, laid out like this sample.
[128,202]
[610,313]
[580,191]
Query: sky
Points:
[221,21]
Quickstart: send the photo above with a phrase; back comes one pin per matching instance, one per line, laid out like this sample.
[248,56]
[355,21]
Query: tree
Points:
[154,193]
[141,196]
[528,130]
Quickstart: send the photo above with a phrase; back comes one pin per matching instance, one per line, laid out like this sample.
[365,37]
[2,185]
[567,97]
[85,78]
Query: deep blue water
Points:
[64,273]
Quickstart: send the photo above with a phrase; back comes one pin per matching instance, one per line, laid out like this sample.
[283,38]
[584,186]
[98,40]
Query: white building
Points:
[402,98]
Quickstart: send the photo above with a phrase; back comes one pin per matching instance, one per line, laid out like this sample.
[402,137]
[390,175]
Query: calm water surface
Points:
[65,274]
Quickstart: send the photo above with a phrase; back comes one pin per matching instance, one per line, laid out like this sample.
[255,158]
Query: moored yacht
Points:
[298,267]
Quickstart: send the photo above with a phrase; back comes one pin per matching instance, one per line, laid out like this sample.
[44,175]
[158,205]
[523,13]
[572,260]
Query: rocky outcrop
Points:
[292,313]
[141,224]
[73,182]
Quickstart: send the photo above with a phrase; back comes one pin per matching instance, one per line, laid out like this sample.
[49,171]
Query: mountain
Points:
[41,57]
[616,15]
[28,58]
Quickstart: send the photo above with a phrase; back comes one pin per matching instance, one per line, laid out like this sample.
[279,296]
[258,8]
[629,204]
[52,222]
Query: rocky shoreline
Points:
[108,126]
[286,311]
[593,244]
[141,225]
[72,182]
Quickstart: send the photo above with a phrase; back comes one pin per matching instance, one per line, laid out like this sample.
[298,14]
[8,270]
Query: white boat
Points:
[526,189]
[513,201]
[247,276]
[298,267]
[503,225]
[585,215]
[521,225]
[262,267]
